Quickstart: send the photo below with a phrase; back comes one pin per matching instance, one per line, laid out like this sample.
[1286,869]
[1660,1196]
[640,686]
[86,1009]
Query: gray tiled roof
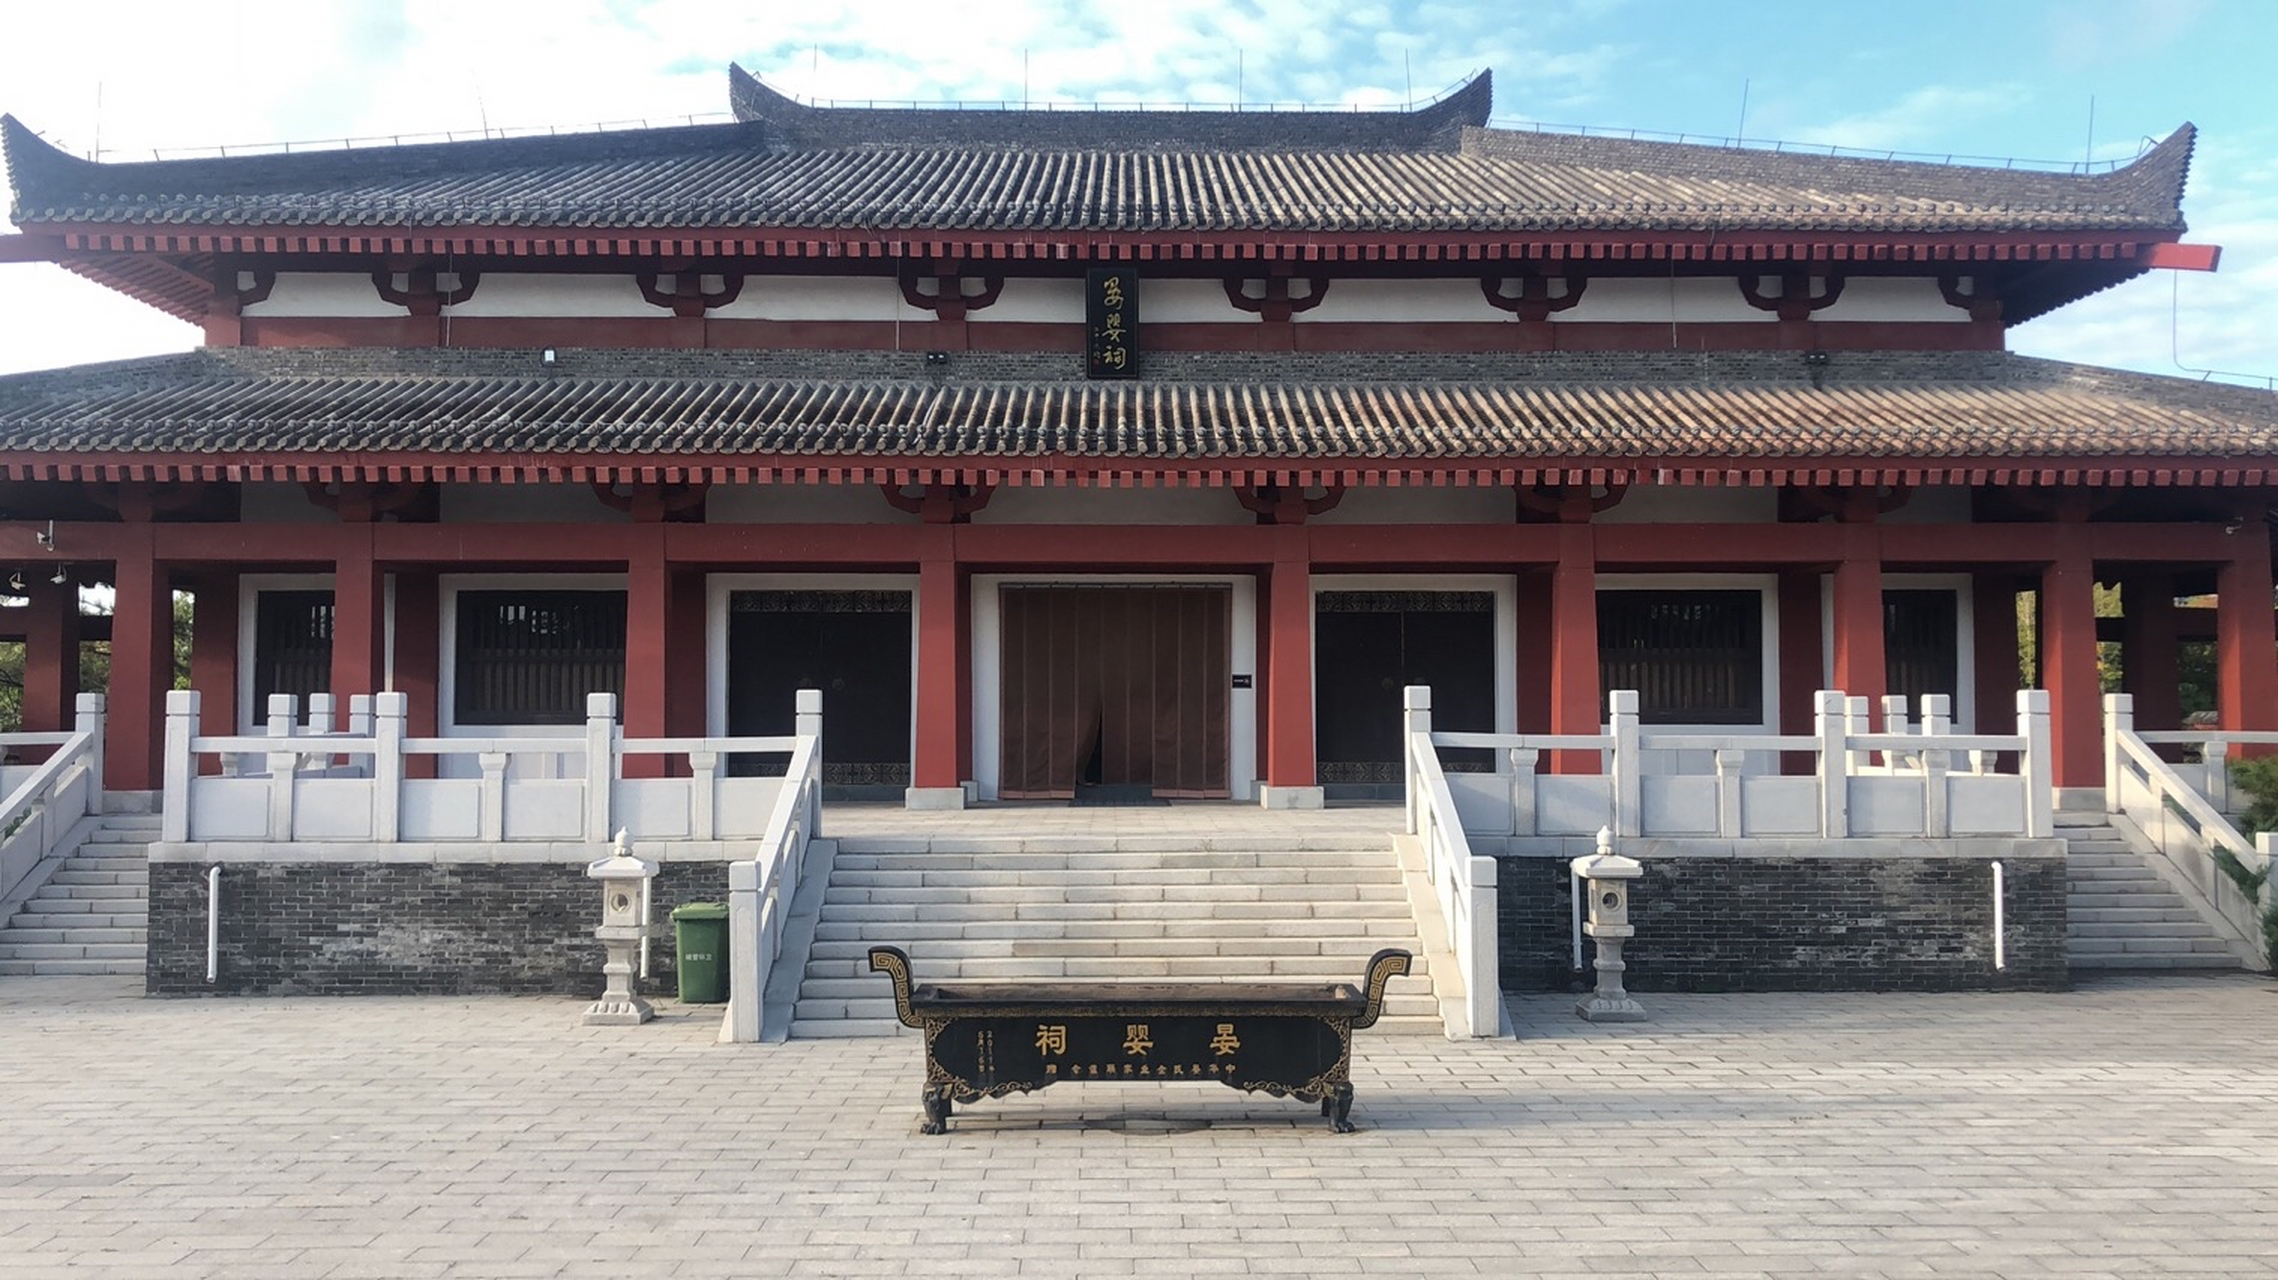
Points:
[671,406]
[792,166]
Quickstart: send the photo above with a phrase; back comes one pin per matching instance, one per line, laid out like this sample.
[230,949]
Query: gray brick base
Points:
[401,928]
[1797,924]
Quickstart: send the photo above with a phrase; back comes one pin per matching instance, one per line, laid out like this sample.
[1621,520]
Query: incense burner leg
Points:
[1338,1107]
[935,1100]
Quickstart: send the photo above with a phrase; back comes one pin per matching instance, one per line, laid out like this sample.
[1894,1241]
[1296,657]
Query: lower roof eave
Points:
[1118,472]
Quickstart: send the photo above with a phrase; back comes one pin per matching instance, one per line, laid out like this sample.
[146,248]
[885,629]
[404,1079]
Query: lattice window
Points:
[1694,657]
[1919,651]
[530,657]
[292,646]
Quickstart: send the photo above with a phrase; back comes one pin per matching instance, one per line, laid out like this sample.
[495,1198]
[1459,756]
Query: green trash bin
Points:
[700,951]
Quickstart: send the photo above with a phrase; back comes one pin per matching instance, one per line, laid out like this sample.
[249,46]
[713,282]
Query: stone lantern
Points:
[1606,876]
[624,923]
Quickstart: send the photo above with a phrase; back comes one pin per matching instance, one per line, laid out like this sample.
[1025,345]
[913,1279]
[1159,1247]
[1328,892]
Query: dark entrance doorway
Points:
[1367,646]
[852,645]
[1125,689]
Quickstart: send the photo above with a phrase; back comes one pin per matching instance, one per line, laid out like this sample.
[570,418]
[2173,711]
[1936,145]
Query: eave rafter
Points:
[2143,248]
[1129,473]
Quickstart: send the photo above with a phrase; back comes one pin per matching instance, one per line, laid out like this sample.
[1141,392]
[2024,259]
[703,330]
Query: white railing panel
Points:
[743,805]
[1573,804]
[440,809]
[229,809]
[1483,802]
[1985,804]
[1679,806]
[332,809]
[1775,806]
[538,809]
[653,808]
[1889,806]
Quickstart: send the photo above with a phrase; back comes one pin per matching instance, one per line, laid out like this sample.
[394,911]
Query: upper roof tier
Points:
[784,164]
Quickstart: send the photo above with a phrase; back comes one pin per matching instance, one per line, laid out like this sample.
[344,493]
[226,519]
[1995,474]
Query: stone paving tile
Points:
[2126,1129]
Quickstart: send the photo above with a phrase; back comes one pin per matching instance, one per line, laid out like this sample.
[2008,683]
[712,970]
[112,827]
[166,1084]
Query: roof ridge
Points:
[1435,126]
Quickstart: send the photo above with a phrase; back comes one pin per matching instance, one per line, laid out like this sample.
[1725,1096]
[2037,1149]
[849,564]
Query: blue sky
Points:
[1997,78]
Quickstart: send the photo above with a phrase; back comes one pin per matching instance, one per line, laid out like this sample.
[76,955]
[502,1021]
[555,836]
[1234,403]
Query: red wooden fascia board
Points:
[1058,471]
[2155,249]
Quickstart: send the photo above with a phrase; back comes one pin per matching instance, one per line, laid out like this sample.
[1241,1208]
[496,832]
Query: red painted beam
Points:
[31,248]
[2183,257]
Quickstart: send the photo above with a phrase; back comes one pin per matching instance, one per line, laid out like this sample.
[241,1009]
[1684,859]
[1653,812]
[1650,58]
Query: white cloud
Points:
[1914,121]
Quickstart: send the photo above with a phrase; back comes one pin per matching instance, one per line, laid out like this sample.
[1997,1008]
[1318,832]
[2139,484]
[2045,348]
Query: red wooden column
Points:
[359,617]
[648,644]
[142,664]
[2068,660]
[1534,645]
[686,709]
[934,780]
[51,653]
[1993,636]
[1576,704]
[2150,659]
[1802,661]
[419,659]
[2246,638]
[1289,781]
[1860,668]
[213,651]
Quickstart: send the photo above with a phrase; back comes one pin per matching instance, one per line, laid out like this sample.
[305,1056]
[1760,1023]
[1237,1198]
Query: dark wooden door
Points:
[1368,645]
[1116,686]
[852,645]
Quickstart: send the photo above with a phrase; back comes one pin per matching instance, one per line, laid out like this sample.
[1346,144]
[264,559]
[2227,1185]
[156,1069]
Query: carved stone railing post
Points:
[1629,767]
[1415,718]
[600,763]
[703,773]
[88,715]
[2033,763]
[388,714]
[1829,717]
[1523,793]
[2119,718]
[181,765]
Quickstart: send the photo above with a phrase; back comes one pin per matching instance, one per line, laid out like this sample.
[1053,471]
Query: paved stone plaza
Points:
[2127,1129]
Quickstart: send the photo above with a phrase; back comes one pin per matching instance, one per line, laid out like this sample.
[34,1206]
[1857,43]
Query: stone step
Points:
[872,1006]
[41,968]
[906,923]
[2193,929]
[2102,858]
[79,871]
[848,984]
[1192,878]
[10,950]
[2100,946]
[2146,960]
[1245,965]
[2178,913]
[18,934]
[2135,870]
[2160,898]
[1153,946]
[849,1028]
[961,910]
[1372,858]
[30,919]
[53,891]
[1140,899]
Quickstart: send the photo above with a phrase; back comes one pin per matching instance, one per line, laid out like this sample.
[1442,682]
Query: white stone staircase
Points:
[1099,908]
[92,914]
[2121,913]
